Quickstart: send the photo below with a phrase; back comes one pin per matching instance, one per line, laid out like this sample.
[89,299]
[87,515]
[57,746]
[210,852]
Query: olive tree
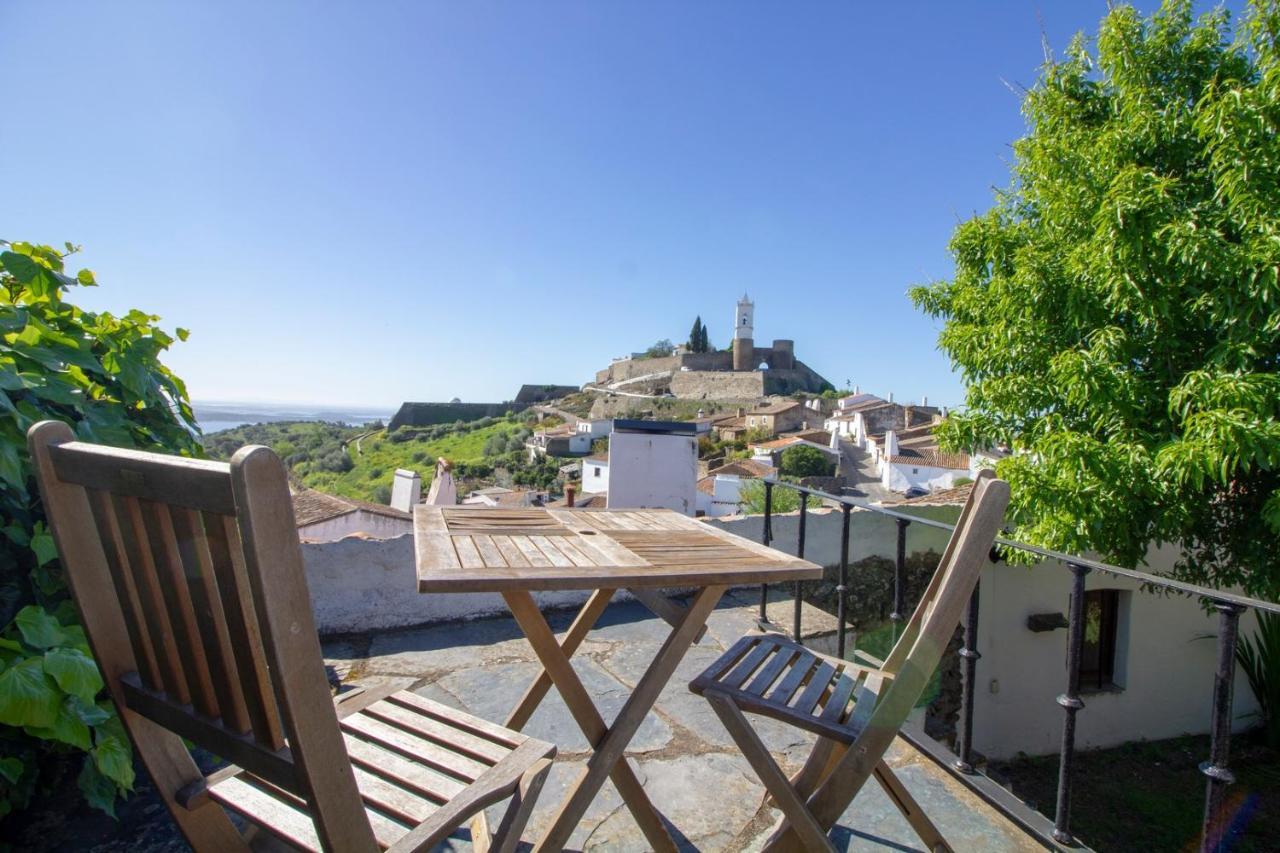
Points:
[1116,315]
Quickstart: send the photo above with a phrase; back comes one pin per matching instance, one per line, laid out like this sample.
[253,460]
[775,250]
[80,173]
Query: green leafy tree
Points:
[660,349]
[805,461]
[102,375]
[1116,315]
[695,335]
[751,495]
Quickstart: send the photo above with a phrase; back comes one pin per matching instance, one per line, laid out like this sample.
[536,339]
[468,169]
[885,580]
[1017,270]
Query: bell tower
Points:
[744,345]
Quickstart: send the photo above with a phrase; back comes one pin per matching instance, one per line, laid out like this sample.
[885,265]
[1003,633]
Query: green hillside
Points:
[358,462]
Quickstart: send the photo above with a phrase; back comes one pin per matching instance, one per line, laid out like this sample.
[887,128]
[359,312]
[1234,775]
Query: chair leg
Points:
[775,781]
[826,752]
[507,836]
[910,809]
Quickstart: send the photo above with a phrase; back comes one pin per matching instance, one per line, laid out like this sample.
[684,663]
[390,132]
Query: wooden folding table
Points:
[519,551]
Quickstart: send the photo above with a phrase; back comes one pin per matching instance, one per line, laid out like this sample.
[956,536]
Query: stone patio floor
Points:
[682,754]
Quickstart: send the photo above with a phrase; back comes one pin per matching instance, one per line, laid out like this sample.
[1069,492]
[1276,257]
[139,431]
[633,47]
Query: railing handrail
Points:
[1183,587]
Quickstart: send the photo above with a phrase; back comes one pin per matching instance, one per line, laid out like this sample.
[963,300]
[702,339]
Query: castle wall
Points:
[429,414]
[717,385]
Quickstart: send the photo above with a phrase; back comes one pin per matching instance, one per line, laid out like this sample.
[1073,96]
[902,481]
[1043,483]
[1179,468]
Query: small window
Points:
[1098,652]
[597,470]
[915,470]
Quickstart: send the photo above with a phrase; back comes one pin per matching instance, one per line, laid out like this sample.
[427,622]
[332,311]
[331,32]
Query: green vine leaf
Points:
[114,760]
[28,697]
[38,628]
[99,791]
[74,671]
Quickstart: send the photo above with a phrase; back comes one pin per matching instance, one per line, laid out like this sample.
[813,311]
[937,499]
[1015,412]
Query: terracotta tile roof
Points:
[744,468]
[707,485]
[776,443]
[596,501]
[596,457]
[734,422]
[312,507]
[813,436]
[775,408]
[932,458]
[945,497]
[915,432]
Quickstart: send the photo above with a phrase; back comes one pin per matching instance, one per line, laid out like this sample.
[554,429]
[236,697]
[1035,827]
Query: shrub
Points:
[805,461]
[102,375]
[1259,657]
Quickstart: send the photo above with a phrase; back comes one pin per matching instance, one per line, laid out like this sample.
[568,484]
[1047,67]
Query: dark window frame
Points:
[1101,632]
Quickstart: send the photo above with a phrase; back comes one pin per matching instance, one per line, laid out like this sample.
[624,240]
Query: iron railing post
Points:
[899,573]
[1219,775]
[765,537]
[841,586]
[968,665]
[804,517]
[1071,704]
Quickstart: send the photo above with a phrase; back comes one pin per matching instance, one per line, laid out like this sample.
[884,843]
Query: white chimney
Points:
[924,401]
[890,444]
[406,490]
[890,396]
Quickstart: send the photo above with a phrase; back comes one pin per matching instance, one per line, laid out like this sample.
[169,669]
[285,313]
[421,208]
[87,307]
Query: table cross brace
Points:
[608,743]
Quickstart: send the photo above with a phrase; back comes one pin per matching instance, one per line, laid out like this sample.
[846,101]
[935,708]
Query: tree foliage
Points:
[1115,314]
[695,335]
[805,461]
[660,349]
[102,375]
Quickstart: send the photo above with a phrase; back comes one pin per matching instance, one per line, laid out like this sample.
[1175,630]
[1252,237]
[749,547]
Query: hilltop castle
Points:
[744,372]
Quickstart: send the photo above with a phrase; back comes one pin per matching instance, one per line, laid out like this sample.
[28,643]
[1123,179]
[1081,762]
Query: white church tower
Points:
[744,345]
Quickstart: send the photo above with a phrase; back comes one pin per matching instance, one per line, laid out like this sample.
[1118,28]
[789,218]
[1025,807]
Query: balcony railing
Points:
[1229,606]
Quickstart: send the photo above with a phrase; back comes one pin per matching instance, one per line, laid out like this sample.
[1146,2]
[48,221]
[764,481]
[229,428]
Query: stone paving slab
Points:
[682,754]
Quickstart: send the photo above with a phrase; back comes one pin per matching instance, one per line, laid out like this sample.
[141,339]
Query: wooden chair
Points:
[856,711]
[188,576]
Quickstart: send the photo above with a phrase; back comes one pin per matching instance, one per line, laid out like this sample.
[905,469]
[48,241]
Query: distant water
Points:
[215,417]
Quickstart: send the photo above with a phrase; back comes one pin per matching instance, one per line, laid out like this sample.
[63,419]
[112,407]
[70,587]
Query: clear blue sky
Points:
[365,203]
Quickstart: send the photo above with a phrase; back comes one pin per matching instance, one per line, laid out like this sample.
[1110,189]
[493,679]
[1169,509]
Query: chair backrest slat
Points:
[167,556]
[131,603]
[211,635]
[232,579]
[912,629]
[141,565]
[211,622]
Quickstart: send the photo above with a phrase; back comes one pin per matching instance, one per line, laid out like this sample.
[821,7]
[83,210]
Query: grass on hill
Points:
[356,462]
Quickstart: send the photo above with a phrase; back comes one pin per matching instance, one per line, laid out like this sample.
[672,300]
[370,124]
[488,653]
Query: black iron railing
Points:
[1230,606]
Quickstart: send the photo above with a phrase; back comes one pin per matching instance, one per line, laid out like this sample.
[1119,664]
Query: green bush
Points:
[1259,657]
[805,461]
[101,374]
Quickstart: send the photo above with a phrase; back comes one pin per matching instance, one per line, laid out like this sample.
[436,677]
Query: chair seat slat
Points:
[805,662]
[817,687]
[747,665]
[833,710]
[769,672]
[479,749]
[403,771]
[414,746]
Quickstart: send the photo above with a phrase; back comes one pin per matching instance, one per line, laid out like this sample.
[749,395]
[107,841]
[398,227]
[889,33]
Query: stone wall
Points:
[360,584]
[717,385]
[429,414]
[542,393]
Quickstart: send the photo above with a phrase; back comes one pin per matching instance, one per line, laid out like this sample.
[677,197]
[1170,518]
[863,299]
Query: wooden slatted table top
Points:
[483,549]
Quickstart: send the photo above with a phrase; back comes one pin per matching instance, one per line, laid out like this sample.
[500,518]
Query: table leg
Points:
[557,667]
[609,750]
[584,622]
